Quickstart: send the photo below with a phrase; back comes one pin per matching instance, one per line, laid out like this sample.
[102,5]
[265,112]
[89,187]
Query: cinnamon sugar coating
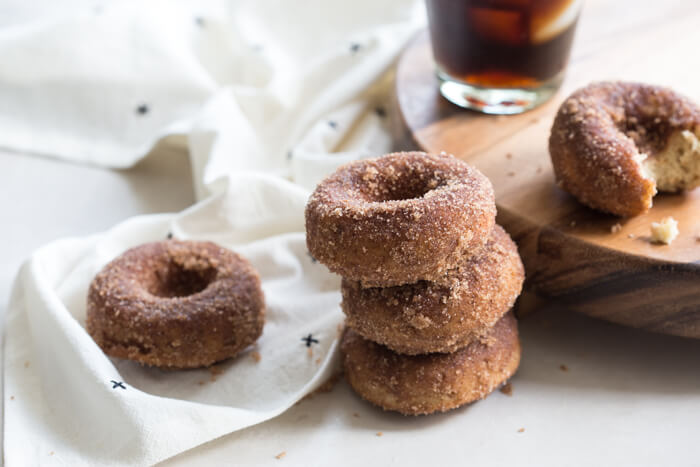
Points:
[178,304]
[399,218]
[611,142]
[440,316]
[423,384]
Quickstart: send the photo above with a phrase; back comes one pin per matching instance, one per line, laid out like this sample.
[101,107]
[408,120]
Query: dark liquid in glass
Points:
[502,43]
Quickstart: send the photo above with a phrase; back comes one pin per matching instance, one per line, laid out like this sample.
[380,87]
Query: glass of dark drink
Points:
[501,56]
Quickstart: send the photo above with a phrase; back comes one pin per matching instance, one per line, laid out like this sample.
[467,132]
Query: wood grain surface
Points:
[571,253]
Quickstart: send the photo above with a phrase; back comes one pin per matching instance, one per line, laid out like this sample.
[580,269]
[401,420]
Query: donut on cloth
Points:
[440,316]
[399,218]
[614,144]
[423,384]
[179,304]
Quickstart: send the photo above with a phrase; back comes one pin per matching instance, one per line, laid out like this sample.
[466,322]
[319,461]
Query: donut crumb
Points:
[563,367]
[616,228]
[521,430]
[507,389]
[281,455]
[379,433]
[665,231]
[256,356]
[214,371]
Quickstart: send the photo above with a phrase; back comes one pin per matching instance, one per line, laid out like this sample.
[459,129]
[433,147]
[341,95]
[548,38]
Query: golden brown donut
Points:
[179,304]
[440,316]
[614,144]
[423,384]
[399,218]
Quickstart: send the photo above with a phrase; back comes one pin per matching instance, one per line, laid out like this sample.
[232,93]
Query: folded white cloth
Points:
[64,397]
[252,85]
[268,96]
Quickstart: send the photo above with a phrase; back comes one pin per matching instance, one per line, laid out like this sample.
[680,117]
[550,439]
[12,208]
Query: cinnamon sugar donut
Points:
[423,384]
[180,304]
[614,144]
[399,218]
[440,316]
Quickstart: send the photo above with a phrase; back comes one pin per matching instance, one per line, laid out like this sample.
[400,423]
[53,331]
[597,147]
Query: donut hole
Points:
[649,133]
[407,191]
[178,279]
[401,188]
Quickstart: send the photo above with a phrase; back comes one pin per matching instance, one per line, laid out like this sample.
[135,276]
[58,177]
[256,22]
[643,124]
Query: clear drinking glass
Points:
[501,56]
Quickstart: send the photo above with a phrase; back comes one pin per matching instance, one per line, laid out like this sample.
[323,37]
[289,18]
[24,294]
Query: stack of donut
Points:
[429,279]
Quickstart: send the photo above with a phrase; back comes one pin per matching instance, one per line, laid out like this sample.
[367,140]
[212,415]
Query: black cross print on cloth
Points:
[355,47]
[313,260]
[309,340]
[169,236]
[381,113]
[117,384]
[142,109]
[199,21]
[333,124]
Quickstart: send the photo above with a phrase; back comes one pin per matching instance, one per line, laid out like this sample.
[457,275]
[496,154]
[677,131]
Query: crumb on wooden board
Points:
[664,231]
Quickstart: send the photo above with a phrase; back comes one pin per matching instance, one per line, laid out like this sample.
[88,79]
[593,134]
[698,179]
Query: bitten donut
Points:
[179,304]
[614,144]
[423,384]
[440,316]
[399,218]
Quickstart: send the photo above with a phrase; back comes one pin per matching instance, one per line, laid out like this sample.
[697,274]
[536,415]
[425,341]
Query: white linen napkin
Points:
[268,96]
[269,85]
[66,402]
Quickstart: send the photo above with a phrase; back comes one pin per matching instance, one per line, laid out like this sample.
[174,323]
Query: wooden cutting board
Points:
[572,254]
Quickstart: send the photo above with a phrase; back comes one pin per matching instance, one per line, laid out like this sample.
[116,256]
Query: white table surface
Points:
[627,398]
